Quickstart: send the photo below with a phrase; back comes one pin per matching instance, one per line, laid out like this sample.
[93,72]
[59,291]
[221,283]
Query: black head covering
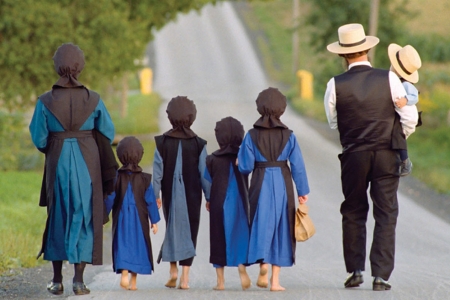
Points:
[181,113]
[271,104]
[229,135]
[69,62]
[130,151]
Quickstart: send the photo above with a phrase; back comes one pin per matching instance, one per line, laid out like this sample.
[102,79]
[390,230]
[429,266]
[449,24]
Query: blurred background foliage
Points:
[424,26]
[113,35]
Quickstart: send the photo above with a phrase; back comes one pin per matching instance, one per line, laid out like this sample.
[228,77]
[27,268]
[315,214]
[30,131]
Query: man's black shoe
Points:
[379,284]
[354,280]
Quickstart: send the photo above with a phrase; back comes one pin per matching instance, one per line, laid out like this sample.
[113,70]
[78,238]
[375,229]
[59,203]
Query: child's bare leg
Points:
[245,280]
[263,278]
[133,286]
[220,279]
[124,281]
[275,279]
[172,282]
[184,280]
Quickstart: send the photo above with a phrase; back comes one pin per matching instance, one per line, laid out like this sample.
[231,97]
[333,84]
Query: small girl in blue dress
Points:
[228,204]
[133,203]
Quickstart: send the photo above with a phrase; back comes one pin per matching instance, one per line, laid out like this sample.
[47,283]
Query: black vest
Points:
[365,111]
[191,149]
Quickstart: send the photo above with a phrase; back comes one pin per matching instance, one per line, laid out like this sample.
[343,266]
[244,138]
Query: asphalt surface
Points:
[209,58]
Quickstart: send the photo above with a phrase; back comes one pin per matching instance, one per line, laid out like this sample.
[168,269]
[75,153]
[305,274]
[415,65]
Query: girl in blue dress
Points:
[265,153]
[133,203]
[228,204]
[178,169]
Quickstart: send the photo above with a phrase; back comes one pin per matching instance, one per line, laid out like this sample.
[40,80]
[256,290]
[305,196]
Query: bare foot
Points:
[124,281]
[183,286]
[245,279]
[275,279]
[263,278]
[276,288]
[220,279]
[219,287]
[184,279]
[172,282]
[133,286]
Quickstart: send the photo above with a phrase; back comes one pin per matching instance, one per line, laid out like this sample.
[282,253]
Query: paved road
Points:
[208,58]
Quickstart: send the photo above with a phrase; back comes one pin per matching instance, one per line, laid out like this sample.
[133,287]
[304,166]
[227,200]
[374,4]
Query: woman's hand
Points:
[302,199]
[155,228]
[158,203]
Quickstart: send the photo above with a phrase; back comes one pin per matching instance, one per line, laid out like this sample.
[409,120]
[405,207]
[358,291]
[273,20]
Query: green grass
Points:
[429,18]
[431,162]
[141,121]
[272,23]
[141,117]
[22,221]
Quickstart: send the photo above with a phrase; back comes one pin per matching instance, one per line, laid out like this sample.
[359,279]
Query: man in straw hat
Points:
[360,104]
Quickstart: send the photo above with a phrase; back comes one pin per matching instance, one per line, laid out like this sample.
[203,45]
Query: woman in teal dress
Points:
[62,128]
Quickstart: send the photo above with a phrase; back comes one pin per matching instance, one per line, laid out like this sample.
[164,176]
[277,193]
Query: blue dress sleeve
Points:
[412,94]
[208,178]
[158,168]
[246,156]
[103,121]
[298,169]
[152,208]
[109,202]
[38,127]
[206,185]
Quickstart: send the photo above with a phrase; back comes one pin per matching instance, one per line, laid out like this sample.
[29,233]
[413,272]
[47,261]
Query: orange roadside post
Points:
[305,84]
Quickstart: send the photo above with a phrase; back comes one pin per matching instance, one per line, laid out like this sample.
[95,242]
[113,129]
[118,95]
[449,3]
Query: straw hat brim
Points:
[392,51]
[371,41]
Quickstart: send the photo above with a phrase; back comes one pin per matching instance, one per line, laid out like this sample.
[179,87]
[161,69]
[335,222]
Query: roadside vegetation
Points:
[402,22]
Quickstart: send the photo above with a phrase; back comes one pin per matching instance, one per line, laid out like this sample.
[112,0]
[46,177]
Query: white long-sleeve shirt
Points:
[408,113]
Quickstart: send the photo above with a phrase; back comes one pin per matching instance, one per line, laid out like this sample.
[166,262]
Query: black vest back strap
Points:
[271,164]
[70,134]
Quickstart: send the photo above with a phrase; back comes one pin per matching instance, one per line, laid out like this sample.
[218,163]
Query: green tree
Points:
[112,33]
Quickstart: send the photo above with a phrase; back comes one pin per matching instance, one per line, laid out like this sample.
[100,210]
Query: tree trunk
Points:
[295,36]
[373,25]
[124,96]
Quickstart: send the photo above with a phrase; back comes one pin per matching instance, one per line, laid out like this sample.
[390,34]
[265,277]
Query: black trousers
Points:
[379,170]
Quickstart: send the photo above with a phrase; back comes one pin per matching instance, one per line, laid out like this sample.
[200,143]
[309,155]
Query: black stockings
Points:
[79,270]
[57,271]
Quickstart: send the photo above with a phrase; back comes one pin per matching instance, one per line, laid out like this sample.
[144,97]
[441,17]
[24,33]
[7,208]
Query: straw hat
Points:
[352,39]
[405,61]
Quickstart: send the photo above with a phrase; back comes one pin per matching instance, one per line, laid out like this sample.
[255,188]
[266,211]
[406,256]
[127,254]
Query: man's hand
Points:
[158,203]
[207,206]
[400,102]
